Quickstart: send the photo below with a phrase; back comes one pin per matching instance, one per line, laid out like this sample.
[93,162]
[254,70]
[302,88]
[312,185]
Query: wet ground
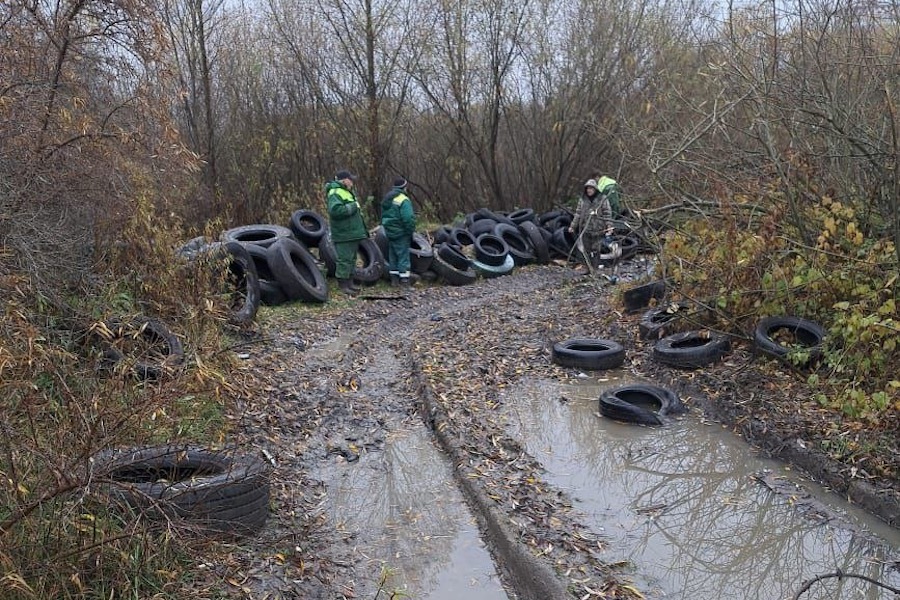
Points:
[365,504]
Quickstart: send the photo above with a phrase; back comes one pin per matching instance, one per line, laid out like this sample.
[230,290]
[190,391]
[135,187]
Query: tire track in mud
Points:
[344,384]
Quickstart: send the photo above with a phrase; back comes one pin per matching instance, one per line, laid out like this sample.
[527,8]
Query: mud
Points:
[335,382]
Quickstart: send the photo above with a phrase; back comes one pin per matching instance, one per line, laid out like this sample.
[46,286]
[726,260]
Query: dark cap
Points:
[400,182]
[344,175]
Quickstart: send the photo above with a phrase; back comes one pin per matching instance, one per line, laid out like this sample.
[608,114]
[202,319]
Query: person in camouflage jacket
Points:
[593,222]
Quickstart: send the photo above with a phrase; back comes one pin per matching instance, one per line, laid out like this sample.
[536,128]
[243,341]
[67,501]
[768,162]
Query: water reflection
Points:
[402,506]
[682,503]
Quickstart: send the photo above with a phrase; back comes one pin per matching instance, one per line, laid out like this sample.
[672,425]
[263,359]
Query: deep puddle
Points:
[681,503]
[403,507]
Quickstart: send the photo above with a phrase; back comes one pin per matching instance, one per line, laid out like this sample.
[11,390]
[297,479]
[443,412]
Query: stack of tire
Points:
[286,268]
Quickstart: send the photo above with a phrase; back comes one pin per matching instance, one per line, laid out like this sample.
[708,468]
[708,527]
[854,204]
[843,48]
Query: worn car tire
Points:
[297,272]
[523,215]
[589,353]
[491,271]
[657,322]
[243,276]
[453,256]
[519,247]
[691,349]
[218,492]
[450,274]
[372,261]
[162,353]
[640,403]
[308,226]
[536,239]
[808,334]
[491,250]
[263,234]
[482,226]
[421,254]
[640,296]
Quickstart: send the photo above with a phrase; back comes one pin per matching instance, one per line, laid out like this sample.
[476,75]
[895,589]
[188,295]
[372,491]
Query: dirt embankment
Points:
[335,385]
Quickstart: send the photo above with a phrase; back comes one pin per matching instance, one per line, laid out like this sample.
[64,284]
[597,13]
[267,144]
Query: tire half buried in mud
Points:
[640,403]
[216,492]
[589,353]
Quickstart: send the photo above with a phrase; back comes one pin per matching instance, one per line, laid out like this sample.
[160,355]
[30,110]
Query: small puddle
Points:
[402,505]
[682,505]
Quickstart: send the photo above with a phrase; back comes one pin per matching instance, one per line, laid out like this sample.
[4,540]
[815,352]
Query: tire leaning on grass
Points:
[804,333]
[216,492]
[242,275]
[297,272]
[589,353]
[640,403]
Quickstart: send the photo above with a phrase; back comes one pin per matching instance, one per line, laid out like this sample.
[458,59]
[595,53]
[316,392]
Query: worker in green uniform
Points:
[348,228]
[399,222]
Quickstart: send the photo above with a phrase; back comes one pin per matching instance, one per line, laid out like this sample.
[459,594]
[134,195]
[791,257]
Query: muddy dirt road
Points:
[335,383]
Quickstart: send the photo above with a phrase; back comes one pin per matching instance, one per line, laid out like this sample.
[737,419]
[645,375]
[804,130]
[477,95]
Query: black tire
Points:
[146,346]
[491,250]
[260,256]
[262,234]
[561,242]
[485,213]
[523,215]
[691,349]
[450,274]
[270,290]
[216,492]
[308,226]
[297,272]
[372,262]
[639,403]
[482,226]
[629,245]
[421,254]
[381,240]
[519,247]
[589,353]
[441,234]
[326,256]
[271,293]
[454,257]
[640,296]
[550,215]
[461,237]
[491,271]
[657,322]
[805,333]
[536,239]
[243,278]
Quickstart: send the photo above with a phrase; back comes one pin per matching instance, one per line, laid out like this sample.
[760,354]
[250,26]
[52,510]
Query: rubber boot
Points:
[344,286]
[354,286]
[395,279]
[404,283]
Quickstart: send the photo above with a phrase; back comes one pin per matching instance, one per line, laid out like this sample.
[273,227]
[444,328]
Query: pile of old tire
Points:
[286,268]
[218,493]
[640,403]
[142,347]
[791,339]
[590,354]
[691,349]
